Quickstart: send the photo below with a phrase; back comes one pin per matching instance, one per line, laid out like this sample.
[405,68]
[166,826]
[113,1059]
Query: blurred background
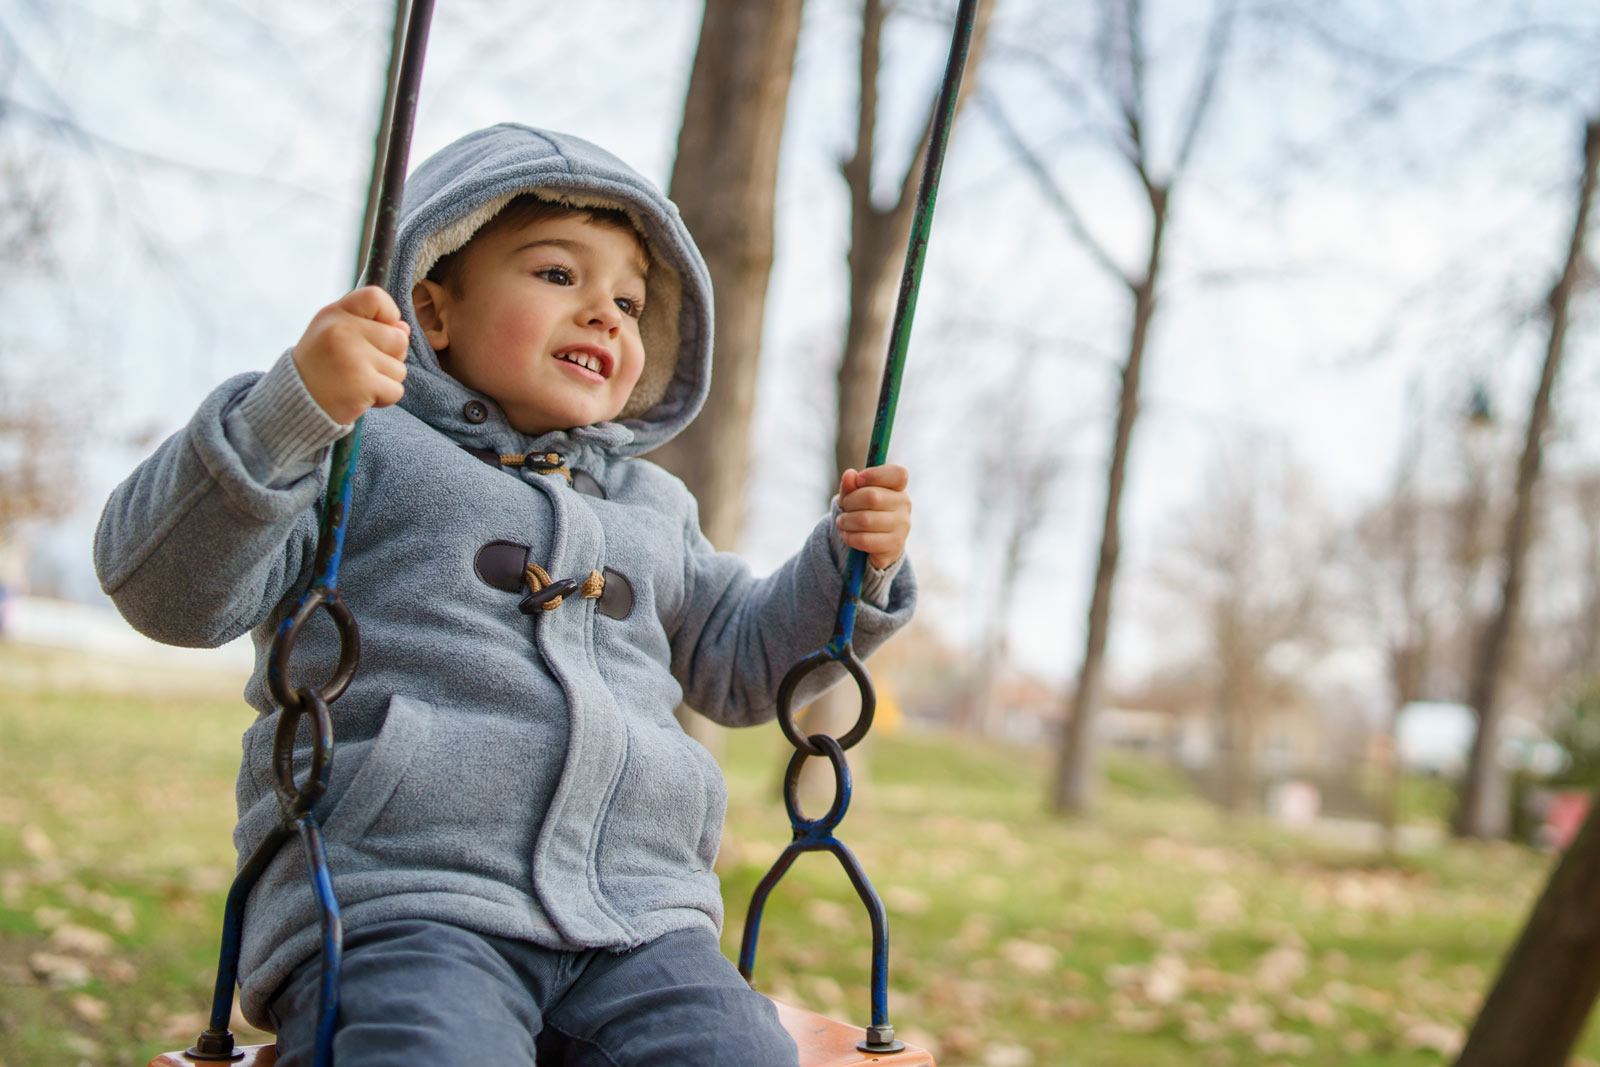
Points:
[1257,672]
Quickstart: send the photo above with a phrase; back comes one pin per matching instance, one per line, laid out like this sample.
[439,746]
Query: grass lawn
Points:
[1154,934]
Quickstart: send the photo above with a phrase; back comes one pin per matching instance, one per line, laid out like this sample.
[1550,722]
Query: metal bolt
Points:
[214,1044]
[881,1039]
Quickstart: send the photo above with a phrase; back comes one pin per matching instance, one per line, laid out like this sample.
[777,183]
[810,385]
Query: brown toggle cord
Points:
[537,578]
[547,463]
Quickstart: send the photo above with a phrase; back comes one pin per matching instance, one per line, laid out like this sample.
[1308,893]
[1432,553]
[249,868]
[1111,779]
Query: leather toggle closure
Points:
[547,595]
[505,565]
[538,462]
[542,463]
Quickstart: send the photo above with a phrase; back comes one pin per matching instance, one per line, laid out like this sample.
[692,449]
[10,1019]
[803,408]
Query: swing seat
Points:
[823,1042]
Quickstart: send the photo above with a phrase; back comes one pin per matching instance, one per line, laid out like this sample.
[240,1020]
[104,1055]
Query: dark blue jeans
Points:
[427,993]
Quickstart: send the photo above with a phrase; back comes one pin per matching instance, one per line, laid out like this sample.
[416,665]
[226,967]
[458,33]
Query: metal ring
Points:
[289,632]
[858,670]
[841,787]
[296,800]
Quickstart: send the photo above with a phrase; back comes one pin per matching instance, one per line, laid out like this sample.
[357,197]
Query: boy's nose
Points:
[604,314]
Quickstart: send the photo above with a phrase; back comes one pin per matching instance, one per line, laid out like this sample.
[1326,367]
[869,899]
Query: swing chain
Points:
[817,835]
[216,1043]
[813,835]
[846,656]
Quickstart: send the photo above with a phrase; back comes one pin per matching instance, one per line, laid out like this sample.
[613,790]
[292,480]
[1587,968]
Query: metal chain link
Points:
[296,802]
[816,835]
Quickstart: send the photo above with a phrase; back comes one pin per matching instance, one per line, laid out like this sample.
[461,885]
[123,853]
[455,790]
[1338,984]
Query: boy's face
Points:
[544,319]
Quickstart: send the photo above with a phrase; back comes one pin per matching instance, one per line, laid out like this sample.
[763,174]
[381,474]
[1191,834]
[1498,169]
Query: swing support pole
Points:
[295,801]
[816,835]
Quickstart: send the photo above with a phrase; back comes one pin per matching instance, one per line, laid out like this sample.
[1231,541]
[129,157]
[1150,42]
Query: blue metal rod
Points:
[332,937]
[233,925]
[944,115]
[880,926]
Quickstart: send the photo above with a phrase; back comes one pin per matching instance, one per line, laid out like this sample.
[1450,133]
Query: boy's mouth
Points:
[591,358]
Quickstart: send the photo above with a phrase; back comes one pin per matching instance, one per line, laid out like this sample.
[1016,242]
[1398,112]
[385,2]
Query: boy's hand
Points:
[353,355]
[876,512]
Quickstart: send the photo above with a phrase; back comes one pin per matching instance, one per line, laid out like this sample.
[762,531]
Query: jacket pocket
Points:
[405,732]
[664,821]
[362,779]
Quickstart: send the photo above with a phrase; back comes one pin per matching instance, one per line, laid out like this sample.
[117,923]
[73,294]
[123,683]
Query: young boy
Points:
[521,836]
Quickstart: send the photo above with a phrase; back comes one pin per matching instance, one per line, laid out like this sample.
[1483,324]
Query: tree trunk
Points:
[1075,773]
[1483,804]
[724,182]
[1236,760]
[878,238]
[1408,653]
[1535,1012]
[1121,60]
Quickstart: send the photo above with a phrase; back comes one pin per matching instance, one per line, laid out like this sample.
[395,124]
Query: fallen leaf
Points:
[1007,1056]
[37,844]
[69,937]
[906,901]
[90,1009]
[1028,957]
[62,971]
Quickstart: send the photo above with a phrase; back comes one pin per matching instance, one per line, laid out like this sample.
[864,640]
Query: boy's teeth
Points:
[587,362]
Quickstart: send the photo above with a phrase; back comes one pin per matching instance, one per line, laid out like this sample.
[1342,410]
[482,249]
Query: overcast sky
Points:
[1325,253]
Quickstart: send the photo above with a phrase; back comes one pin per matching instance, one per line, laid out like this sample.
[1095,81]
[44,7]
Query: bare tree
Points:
[724,181]
[37,468]
[1483,810]
[1248,566]
[878,236]
[1402,581]
[1020,466]
[1123,69]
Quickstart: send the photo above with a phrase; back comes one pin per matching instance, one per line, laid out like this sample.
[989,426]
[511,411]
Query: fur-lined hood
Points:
[461,187]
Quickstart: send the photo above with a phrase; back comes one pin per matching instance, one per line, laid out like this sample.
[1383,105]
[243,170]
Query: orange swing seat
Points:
[823,1042]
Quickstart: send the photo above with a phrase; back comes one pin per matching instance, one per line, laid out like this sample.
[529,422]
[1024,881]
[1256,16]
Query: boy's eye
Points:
[555,275]
[630,307]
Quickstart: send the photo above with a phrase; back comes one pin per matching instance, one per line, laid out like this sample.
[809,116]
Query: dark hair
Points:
[525,209]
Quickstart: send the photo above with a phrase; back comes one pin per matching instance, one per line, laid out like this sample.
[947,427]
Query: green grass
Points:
[1154,934]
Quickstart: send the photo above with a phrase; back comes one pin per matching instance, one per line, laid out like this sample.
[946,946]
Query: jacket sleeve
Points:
[739,635]
[200,542]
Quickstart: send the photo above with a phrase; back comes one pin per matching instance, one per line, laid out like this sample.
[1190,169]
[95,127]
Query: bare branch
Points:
[69,129]
[1217,42]
[1053,191]
[858,168]
[1122,52]
[913,175]
[1410,75]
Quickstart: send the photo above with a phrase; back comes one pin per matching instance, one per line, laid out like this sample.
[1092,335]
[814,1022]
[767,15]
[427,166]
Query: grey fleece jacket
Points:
[521,775]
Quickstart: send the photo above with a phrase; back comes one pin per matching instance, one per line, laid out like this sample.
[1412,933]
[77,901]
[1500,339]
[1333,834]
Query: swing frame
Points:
[822,1042]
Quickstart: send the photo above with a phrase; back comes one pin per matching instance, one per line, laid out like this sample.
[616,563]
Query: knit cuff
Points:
[278,428]
[875,583]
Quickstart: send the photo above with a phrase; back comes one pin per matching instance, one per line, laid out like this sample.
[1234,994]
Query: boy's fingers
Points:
[876,544]
[873,498]
[387,392]
[371,302]
[881,549]
[390,368]
[874,519]
[889,476]
[389,340]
